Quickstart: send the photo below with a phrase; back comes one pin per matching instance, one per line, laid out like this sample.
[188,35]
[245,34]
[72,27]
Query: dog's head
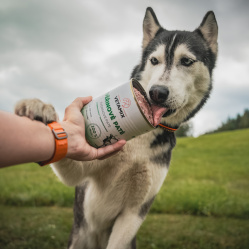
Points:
[176,66]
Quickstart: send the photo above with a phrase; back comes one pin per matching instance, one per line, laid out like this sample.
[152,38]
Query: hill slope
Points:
[208,176]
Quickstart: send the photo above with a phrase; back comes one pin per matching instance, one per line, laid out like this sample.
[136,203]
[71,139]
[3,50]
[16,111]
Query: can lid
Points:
[138,86]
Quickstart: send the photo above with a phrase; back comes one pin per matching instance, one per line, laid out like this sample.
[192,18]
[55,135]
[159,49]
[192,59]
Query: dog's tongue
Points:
[158,112]
[153,113]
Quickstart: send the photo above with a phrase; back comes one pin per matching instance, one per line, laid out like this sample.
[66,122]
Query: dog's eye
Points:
[154,61]
[187,61]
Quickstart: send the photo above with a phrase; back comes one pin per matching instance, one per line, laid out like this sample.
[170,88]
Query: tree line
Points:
[239,122]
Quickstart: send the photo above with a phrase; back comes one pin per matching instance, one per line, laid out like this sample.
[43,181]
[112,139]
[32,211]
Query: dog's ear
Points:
[150,26]
[209,30]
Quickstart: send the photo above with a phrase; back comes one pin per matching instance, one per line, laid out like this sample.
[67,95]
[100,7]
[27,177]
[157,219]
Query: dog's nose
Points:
[159,93]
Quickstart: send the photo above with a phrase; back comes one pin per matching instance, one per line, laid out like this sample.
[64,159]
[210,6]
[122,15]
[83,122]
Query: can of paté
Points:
[114,116]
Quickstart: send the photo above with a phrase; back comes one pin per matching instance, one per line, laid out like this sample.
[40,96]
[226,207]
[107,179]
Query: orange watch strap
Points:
[60,143]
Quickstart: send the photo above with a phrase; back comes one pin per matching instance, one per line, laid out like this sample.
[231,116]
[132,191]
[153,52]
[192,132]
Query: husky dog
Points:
[114,195]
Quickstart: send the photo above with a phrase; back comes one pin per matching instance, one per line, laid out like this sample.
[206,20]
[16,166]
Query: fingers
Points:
[110,150]
[88,153]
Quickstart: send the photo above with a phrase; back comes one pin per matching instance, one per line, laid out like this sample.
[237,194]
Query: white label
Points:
[114,116]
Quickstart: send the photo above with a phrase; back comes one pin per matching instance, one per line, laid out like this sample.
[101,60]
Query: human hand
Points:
[74,125]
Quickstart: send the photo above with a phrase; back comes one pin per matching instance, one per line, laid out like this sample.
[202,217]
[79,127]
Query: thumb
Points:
[81,101]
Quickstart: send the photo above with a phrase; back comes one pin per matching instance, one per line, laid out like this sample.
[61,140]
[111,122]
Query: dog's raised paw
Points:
[35,109]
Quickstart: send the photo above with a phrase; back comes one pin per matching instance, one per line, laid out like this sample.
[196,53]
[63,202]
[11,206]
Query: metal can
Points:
[114,116]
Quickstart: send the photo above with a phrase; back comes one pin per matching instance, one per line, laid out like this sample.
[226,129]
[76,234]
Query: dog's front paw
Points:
[35,109]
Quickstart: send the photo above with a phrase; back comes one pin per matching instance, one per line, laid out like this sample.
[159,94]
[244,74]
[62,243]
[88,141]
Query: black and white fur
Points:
[113,196]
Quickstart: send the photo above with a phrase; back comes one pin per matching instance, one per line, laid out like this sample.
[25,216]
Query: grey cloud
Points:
[52,49]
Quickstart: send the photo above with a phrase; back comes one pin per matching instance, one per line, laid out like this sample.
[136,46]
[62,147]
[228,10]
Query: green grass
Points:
[209,175]
[204,202]
[49,227]
[32,185]
[193,232]
[34,227]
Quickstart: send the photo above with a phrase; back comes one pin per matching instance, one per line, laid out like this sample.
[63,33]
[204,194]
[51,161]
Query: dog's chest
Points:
[133,180]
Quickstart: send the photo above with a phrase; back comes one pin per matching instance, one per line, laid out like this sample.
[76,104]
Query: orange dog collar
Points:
[167,128]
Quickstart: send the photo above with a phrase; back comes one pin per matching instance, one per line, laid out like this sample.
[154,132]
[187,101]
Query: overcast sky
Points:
[57,50]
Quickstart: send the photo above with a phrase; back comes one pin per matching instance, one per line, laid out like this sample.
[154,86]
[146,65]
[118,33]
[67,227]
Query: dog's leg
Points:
[124,231]
[35,109]
[77,236]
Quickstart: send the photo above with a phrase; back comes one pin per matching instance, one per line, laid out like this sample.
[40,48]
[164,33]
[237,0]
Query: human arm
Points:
[24,140]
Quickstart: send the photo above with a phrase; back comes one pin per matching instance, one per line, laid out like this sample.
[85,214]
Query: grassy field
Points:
[49,228]
[209,175]
[204,202]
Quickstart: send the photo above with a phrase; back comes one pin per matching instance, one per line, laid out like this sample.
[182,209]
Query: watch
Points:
[60,136]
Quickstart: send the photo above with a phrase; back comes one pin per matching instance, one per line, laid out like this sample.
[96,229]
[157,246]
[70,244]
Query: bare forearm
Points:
[23,140]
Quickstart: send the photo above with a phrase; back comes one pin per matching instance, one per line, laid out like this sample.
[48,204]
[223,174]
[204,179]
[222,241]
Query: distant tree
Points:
[185,130]
[244,122]
[240,122]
